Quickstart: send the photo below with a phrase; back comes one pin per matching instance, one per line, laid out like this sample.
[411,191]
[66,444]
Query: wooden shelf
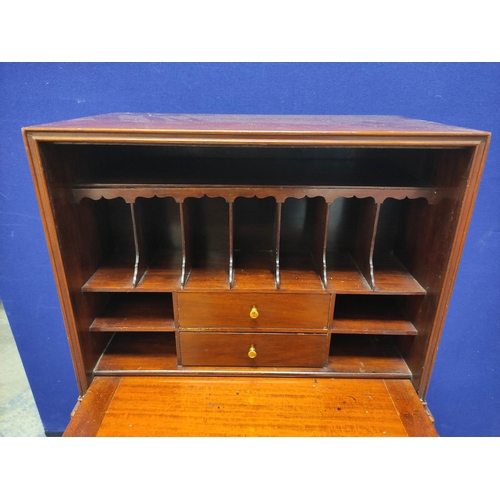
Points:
[344,275]
[391,277]
[371,315]
[298,272]
[162,275]
[365,356]
[139,352]
[351,356]
[114,276]
[152,312]
[254,271]
[209,272]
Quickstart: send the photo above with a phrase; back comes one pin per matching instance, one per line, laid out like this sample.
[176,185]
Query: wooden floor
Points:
[224,406]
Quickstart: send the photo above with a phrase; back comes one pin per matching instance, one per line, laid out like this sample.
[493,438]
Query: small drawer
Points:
[254,349]
[254,311]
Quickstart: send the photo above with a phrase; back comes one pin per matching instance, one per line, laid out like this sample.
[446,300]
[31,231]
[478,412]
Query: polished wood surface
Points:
[275,311]
[271,349]
[392,277]
[136,312]
[376,315]
[351,356]
[414,418]
[254,270]
[364,356]
[348,124]
[299,272]
[90,412]
[212,406]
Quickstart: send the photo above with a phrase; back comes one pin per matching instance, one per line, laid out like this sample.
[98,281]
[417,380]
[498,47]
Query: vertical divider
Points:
[364,242]
[231,245]
[177,325]
[141,243]
[320,239]
[276,249]
[187,260]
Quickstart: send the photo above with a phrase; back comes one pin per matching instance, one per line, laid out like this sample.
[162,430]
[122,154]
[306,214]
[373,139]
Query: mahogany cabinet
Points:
[308,257]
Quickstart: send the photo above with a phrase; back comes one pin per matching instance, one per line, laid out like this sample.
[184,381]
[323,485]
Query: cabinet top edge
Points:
[254,124]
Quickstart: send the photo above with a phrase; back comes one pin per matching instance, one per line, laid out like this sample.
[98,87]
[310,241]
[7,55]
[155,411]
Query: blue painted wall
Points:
[465,388]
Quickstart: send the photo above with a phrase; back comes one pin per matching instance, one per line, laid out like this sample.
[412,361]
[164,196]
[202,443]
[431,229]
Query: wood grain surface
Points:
[92,409]
[233,123]
[276,311]
[272,349]
[145,312]
[375,315]
[172,406]
[356,356]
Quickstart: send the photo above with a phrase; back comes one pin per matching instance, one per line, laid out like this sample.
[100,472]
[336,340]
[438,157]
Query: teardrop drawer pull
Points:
[254,314]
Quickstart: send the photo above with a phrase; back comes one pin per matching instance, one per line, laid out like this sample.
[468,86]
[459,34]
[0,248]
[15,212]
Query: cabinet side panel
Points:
[429,245]
[76,251]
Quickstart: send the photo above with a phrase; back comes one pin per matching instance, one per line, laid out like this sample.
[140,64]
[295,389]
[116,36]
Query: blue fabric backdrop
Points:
[464,394]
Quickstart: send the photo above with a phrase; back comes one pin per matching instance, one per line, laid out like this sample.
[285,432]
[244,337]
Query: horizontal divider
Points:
[136,313]
[365,315]
[129,192]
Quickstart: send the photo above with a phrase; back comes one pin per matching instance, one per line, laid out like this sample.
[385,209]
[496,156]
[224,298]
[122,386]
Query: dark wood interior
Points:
[329,255]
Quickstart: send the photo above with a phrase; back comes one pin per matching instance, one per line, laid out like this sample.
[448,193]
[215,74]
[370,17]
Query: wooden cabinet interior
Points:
[343,233]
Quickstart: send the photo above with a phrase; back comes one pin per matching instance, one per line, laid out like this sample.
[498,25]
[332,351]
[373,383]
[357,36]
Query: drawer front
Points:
[254,349]
[252,311]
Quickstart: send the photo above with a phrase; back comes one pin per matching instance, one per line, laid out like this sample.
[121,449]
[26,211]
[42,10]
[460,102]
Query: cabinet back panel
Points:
[254,224]
[120,163]
[298,224]
[345,214]
[209,225]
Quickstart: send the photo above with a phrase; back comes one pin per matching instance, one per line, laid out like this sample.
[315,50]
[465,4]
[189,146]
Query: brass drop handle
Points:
[252,353]
[254,314]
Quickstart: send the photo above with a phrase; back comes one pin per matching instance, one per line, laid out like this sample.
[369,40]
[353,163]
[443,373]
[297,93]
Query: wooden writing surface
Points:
[251,407]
